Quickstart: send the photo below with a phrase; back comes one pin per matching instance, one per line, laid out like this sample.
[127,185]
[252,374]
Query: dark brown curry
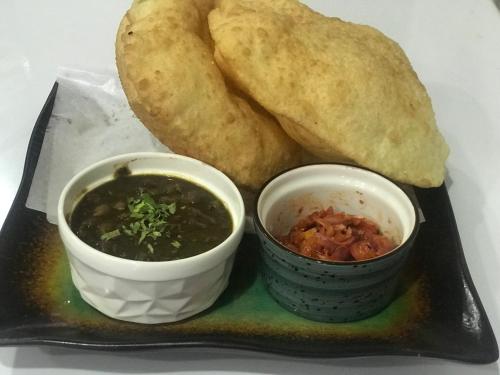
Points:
[151,218]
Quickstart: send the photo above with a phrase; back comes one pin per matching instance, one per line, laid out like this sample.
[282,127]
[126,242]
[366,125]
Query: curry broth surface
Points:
[194,220]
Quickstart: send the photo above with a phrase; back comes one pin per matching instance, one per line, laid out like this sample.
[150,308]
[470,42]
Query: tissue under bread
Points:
[340,89]
[165,62]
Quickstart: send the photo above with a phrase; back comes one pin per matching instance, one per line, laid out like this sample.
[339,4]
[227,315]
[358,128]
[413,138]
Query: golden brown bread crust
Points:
[165,62]
[339,89]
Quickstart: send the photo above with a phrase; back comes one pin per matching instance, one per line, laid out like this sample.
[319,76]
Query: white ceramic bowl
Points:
[151,292]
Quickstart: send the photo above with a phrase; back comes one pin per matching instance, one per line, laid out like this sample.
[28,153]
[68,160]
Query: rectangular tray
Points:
[437,312]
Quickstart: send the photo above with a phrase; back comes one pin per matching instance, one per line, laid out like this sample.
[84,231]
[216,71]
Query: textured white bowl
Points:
[151,292]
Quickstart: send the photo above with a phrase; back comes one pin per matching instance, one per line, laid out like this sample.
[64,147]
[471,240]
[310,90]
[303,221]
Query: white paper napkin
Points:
[91,120]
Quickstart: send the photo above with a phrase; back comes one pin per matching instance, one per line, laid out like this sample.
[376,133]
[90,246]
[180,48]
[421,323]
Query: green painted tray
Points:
[437,312]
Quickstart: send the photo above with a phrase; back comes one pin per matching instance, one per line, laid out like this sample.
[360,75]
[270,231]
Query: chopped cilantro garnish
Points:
[151,219]
[150,248]
[110,235]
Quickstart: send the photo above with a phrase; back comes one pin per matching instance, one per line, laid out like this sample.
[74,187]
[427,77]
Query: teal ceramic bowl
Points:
[323,290]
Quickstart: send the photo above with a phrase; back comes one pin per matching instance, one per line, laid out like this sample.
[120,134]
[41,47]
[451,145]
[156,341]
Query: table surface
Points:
[454,46]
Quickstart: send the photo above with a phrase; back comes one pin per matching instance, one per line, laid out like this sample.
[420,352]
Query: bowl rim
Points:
[104,258]
[263,230]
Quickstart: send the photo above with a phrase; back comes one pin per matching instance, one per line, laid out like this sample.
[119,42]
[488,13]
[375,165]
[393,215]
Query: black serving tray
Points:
[437,312]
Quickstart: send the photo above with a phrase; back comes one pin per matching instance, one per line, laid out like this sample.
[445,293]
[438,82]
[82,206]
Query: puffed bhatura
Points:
[339,89]
[166,66]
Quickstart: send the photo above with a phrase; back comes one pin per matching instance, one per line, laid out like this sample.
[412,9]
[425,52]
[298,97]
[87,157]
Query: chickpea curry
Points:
[151,218]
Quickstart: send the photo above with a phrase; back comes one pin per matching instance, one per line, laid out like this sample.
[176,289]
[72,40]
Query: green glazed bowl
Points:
[333,291]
